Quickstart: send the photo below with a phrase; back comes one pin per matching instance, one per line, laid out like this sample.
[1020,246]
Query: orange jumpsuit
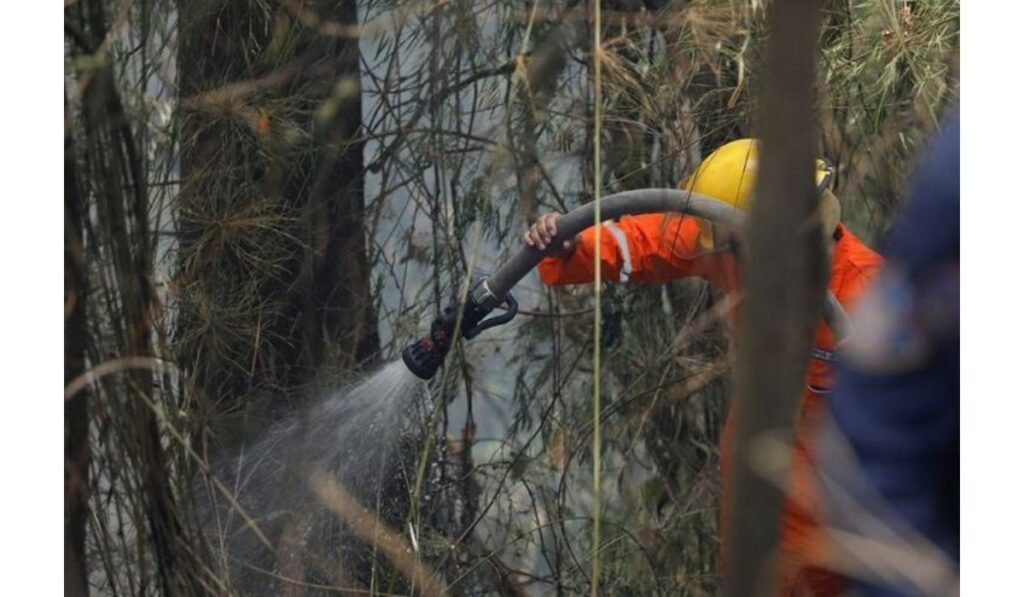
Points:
[657,248]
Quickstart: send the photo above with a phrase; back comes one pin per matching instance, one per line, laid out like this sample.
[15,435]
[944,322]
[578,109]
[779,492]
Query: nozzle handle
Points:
[513,308]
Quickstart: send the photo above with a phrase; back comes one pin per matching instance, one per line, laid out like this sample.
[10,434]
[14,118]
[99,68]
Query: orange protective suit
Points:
[657,248]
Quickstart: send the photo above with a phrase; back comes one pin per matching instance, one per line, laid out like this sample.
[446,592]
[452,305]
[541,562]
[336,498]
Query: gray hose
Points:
[641,201]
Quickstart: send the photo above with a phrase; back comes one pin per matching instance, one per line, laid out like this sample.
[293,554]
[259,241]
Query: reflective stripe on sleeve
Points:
[627,260]
[824,355]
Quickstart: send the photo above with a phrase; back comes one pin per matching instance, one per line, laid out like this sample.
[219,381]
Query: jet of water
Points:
[355,435]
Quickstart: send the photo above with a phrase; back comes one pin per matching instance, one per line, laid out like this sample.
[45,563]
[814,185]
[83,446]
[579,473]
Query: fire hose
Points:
[425,356]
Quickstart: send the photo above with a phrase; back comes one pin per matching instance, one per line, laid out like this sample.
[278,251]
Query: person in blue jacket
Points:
[895,480]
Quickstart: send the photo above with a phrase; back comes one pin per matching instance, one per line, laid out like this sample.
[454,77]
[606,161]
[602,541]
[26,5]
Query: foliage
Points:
[259,211]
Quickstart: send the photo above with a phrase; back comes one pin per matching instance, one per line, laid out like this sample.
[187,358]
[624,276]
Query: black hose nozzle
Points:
[426,355]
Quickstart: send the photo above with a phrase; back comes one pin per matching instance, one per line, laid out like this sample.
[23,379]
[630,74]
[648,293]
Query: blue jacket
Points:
[897,397]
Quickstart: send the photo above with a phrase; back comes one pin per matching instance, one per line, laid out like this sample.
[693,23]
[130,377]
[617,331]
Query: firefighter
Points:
[656,248]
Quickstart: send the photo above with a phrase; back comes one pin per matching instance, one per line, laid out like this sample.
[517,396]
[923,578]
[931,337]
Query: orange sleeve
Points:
[578,268]
[648,248]
[854,267]
[861,265]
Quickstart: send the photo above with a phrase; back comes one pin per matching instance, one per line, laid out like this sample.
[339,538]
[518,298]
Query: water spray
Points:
[425,356]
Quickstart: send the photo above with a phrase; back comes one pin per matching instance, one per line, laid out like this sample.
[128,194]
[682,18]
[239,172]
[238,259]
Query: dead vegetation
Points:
[264,197]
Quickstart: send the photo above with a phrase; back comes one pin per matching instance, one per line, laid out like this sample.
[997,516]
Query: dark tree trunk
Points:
[76,410]
[337,308]
[273,136]
[785,284]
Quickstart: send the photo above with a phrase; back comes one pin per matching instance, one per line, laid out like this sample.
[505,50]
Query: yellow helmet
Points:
[728,174]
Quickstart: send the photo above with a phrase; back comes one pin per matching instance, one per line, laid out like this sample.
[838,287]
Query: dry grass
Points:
[491,126]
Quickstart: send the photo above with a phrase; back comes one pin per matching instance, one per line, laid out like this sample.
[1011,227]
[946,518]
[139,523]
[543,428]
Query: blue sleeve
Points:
[897,398]
[904,428]
[927,230]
